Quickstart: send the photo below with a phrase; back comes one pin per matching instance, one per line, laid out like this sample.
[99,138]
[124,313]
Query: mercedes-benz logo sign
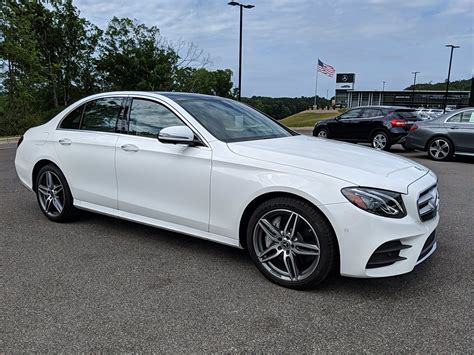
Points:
[344,78]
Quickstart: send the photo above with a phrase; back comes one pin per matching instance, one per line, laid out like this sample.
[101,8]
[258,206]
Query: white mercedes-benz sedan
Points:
[217,169]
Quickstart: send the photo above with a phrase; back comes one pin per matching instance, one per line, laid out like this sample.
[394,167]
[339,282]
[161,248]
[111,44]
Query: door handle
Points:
[65,141]
[454,127]
[129,148]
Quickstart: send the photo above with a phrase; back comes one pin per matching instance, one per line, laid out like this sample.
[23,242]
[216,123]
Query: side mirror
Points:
[176,135]
[337,118]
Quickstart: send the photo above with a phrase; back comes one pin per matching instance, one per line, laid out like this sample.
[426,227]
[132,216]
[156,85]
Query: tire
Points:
[313,246]
[53,194]
[381,141]
[322,133]
[440,149]
[404,145]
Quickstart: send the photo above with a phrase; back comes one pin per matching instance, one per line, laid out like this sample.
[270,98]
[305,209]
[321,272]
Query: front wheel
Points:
[291,243]
[381,141]
[53,194]
[323,133]
[440,148]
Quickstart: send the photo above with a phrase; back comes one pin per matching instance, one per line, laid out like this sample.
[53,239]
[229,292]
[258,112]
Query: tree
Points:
[132,57]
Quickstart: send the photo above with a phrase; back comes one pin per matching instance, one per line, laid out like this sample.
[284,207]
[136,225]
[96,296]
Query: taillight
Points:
[413,128]
[19,141]
[398,123]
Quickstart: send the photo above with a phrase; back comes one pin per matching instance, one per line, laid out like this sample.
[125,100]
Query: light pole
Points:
[235,3]
[383,90]
[449,74]
[414,83]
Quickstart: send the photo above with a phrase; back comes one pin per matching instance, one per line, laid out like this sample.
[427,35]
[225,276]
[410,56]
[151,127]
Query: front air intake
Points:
[387,254]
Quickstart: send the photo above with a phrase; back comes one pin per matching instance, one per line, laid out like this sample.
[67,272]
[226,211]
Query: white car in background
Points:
[217,169]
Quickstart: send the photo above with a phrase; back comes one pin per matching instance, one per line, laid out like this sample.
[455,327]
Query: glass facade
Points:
[432,99]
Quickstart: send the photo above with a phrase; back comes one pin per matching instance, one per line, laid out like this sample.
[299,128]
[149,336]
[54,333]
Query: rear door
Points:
[460,129]
[85,144]
[366,124]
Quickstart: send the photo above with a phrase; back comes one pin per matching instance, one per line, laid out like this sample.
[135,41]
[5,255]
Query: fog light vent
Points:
[387,254]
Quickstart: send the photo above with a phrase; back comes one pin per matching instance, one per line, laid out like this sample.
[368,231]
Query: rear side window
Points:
[462,117]
[102,114]
[371,112]
[73,120]
[148,118]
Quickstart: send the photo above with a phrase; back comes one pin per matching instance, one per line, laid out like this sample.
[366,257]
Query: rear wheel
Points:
[53,194]
[291,243]
[440,148]
[381,141]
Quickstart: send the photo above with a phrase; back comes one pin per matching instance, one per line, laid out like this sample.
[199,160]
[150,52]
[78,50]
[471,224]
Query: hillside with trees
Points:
[461,85]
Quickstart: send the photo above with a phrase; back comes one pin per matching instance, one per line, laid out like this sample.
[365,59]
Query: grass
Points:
[305,119]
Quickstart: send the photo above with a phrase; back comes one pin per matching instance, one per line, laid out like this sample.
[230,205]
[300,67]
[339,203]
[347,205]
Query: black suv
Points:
[381,126]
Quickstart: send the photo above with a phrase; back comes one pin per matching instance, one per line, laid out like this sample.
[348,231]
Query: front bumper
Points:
[360,234]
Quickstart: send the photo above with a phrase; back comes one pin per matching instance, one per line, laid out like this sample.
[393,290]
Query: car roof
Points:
[386,107]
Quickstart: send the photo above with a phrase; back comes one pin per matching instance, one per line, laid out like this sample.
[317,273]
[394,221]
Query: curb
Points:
[5,140]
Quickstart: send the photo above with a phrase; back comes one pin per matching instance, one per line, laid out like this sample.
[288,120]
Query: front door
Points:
[167,182]
[345,125]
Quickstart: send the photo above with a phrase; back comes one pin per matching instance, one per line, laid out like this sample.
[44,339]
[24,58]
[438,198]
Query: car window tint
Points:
[73,119]
[467,117]
[409,115]
[148,118]
[455,118]
[102,114]
[371,112]
[351,114]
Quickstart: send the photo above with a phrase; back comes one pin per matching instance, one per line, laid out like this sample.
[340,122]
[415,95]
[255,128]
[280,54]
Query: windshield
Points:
[232,121]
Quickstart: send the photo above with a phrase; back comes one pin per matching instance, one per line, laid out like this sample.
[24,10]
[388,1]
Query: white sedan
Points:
[217,169]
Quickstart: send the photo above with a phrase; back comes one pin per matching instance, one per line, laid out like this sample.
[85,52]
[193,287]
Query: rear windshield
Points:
[409,115]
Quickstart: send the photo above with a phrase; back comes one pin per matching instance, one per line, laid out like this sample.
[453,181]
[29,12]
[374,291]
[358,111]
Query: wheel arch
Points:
[270,195]
[439,135]
[39,164]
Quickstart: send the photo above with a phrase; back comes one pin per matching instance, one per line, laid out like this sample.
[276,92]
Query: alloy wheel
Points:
[323,133]
[286,245]
[51,193]
[380,141]
[439,149]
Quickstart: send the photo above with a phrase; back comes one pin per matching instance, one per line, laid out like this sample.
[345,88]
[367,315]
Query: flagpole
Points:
[316,88]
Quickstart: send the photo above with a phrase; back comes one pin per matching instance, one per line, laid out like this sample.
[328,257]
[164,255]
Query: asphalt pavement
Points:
[102,284]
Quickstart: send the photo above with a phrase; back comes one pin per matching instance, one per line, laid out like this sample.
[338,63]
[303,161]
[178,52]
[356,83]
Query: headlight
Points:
[380,202]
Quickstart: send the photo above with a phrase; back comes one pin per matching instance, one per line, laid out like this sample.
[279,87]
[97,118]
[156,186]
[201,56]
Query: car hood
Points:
[361,166]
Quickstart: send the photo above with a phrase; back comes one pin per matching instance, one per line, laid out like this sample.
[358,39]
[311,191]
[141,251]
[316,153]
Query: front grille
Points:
[428,245]
[387,254]
[428,203]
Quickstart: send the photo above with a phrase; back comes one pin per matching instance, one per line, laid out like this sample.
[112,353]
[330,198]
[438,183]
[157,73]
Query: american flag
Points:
[326,69]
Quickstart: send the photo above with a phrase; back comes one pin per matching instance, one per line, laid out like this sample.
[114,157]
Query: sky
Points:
[379,40]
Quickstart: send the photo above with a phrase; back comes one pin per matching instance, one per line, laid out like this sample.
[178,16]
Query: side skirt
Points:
[157,223]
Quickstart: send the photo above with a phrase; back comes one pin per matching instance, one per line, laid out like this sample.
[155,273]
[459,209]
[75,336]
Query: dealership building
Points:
[347,96]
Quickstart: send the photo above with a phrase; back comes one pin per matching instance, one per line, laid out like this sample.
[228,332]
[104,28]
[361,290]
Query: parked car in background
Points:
[219,170]
[442,137]
[382,126]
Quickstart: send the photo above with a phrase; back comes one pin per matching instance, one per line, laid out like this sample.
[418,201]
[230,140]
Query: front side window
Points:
[73,119]
[148,118]
[232,121]
[102,114]
[351,114]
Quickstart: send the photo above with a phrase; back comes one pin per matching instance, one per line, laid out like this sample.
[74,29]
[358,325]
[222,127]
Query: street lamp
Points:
[414,83]
[235,3]
[383,90]
[449,74]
